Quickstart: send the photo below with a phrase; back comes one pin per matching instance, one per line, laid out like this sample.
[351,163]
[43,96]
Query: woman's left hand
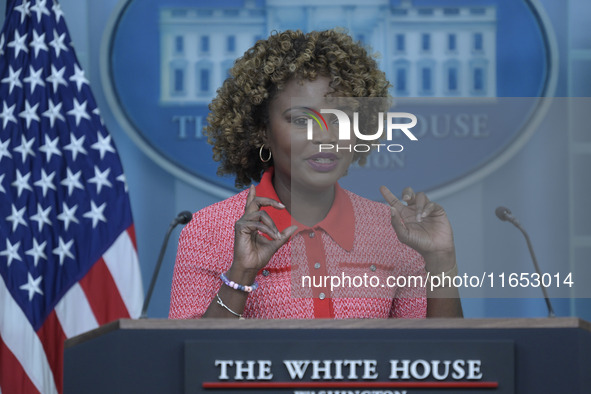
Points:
[423,225]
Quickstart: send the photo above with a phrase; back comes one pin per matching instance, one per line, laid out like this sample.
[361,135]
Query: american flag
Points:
[68,259]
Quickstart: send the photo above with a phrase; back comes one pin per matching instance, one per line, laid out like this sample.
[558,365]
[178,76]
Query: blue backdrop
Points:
[544,183]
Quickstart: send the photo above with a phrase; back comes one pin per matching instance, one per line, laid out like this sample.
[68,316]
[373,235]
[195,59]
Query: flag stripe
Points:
[131,233]
[52,337]
[13,379]
[101,292]
[127,276]
[75,323]
[19,337]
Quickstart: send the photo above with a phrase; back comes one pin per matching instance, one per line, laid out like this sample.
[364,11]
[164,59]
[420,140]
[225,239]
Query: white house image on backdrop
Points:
[439,51]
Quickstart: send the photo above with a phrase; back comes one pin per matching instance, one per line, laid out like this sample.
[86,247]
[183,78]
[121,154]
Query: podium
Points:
[541,355]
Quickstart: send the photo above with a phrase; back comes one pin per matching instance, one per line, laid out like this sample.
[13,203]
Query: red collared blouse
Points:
[350,265]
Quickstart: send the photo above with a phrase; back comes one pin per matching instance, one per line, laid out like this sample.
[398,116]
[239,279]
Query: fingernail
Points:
[406,197]
[281,205]
[419,217]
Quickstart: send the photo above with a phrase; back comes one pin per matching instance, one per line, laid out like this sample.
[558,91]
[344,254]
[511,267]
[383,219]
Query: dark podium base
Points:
[551,355]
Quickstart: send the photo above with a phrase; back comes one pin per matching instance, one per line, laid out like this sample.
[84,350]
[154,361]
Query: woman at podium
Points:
[298,245]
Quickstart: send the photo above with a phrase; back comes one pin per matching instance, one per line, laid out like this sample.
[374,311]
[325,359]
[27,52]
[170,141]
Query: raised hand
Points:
[252,250]
[423,225]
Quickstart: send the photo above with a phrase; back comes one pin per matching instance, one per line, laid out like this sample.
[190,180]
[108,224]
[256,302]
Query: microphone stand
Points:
[535,261]
[182,218]
[505,215]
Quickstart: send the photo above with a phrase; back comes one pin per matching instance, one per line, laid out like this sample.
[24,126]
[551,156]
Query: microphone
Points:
[506,216]
[182,218]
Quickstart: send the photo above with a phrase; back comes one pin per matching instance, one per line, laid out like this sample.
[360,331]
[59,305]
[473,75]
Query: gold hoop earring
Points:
[261,154]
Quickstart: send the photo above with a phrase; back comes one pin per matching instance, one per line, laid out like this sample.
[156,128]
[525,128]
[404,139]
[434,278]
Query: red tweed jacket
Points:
[354,245]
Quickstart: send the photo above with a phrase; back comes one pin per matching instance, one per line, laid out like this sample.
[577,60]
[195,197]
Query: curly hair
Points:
[239,114]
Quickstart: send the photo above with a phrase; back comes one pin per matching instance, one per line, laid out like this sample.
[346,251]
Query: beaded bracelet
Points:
[226,307]
[234,285]
[452,272]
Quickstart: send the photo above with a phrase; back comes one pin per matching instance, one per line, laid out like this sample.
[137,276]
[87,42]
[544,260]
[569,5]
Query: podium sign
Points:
[372,356]
[344,366]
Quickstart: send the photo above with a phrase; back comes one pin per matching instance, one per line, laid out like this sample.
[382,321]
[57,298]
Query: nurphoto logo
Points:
[394,121]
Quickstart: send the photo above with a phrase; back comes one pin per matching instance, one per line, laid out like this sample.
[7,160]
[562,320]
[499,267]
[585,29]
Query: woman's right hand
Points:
[252,250]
